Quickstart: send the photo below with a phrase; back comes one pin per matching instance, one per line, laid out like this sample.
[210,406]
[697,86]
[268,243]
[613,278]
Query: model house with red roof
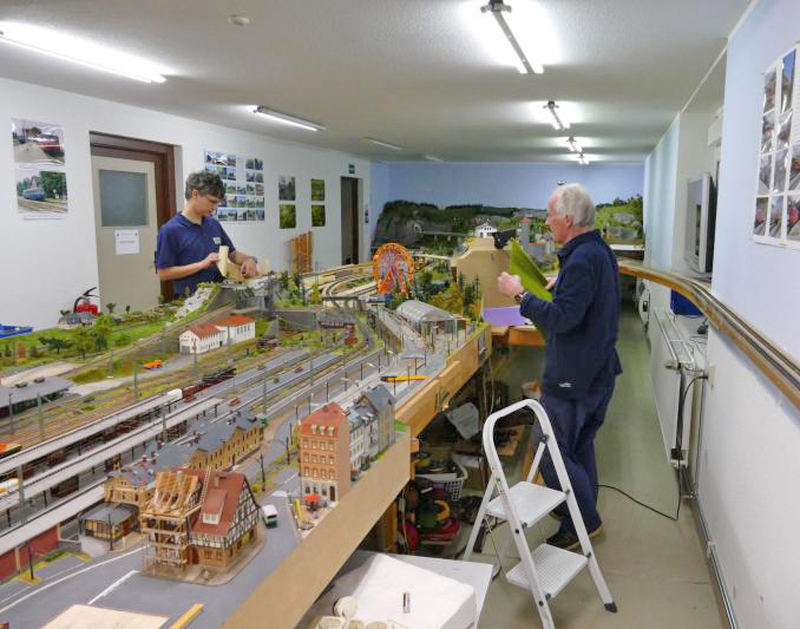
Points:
[323,449]
[203,338]
[198,517]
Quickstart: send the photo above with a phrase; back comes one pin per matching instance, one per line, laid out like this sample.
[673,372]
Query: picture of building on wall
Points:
[765,174]
[260,188]
[784,131]
[317,216]
[317,189]
[767,131]
[288,215]
[787,81]
[286,190]
[775,217]
[250,163]
[770,81]
[41,193]
[793,217]
[762,204]
[37,142]
[258,164]
[794,172]
[781,166]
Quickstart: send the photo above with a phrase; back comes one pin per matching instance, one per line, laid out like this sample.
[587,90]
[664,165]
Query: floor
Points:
[654,567]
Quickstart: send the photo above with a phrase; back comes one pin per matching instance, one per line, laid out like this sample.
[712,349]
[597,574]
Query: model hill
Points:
[406,222]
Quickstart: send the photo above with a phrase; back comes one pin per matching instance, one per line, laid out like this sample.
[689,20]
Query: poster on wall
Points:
[317,216]
[286,189]
[775,220]
[288,215]
[39,169]
[244,186]
[317,189]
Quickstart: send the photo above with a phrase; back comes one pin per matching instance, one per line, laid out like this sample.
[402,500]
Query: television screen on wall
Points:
[701,214]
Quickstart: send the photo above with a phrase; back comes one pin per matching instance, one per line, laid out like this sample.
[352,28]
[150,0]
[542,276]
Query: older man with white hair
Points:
[581,361]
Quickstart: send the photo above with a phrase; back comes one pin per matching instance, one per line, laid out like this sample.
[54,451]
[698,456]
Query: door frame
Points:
[356,227]
[162,156]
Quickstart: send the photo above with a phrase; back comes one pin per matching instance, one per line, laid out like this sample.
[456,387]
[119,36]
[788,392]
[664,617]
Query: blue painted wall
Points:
[505,185]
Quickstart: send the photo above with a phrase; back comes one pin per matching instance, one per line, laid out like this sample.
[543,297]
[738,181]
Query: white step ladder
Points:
[547,569]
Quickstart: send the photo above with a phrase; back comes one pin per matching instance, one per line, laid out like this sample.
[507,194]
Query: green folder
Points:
[532,278]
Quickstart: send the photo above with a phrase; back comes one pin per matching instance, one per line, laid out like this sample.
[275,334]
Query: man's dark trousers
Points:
[575,424]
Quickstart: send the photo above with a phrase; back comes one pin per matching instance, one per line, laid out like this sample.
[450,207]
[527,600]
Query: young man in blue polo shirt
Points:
[188,244]
[581,362]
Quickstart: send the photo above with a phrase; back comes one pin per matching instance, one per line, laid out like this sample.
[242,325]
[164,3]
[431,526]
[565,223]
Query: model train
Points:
[208,380]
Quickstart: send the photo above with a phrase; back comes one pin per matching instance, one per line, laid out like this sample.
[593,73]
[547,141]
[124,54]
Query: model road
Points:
[61,587]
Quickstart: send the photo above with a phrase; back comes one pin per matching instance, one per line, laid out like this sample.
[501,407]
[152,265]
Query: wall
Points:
[755,279]
[379,181]
[660,177]
[748,467]
[751,442]
[54,261]
[695,157]
[507,185]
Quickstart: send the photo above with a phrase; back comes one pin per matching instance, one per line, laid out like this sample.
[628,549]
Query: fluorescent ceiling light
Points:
[559,124]
[502,14]
[433,158]
[394,147]
[582,159]
[573,145]
[277,116]
[86,53]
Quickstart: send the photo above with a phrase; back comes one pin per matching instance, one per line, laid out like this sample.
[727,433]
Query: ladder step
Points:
[555,568]
[530,502]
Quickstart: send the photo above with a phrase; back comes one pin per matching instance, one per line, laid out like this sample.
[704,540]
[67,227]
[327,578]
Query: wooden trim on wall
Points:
[777,366]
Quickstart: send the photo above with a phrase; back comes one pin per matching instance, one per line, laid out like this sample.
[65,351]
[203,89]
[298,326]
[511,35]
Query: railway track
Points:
[63,417]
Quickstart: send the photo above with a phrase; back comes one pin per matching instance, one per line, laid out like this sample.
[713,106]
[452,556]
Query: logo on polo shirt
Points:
[217,240]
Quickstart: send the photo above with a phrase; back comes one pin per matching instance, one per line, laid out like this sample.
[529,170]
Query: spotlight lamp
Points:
[573,145]
[500,11]
[582,159]
[557,122]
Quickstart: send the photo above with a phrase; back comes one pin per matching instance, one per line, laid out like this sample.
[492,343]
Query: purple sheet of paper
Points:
[506,315]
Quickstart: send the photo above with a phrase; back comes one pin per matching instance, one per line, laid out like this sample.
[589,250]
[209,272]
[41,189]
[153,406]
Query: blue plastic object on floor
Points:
[682,306]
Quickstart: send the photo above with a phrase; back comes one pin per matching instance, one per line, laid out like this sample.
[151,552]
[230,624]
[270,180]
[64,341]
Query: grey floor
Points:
[654,567]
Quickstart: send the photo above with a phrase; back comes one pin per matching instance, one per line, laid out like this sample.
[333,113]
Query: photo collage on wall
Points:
[39,169]
[244,186]
[777,201]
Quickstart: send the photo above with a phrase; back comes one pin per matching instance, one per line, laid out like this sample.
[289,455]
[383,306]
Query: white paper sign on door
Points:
[126,241]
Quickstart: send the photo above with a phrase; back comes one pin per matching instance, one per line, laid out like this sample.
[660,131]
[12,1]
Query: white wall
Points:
[695,157]
[660,177]
[51,262]
[749,461]
[749,484]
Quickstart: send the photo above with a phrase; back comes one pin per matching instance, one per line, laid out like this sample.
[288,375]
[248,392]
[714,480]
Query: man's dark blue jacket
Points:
[582,320]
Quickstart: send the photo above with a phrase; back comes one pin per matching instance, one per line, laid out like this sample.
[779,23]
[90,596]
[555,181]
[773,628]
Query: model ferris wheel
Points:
[392,268]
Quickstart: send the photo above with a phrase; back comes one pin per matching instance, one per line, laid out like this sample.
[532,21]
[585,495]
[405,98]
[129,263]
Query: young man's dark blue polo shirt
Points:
[182,242]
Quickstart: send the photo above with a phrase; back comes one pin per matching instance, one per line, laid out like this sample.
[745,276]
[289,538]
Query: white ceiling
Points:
[410,72]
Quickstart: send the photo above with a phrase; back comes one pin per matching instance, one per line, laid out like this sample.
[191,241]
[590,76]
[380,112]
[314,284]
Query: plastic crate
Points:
[451,482]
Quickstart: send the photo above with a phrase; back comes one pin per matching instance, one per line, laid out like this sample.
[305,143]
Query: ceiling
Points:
[415,73]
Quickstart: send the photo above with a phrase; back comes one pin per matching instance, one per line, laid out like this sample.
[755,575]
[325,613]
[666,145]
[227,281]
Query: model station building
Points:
[203,338]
